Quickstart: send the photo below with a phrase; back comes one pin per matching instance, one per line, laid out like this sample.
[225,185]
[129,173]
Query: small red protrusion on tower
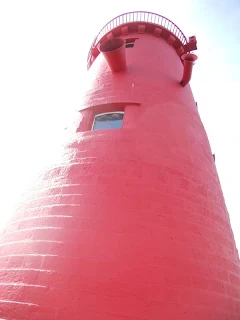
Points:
[188,62]
[114,52]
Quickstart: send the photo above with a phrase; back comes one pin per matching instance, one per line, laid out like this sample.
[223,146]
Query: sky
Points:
[43,51]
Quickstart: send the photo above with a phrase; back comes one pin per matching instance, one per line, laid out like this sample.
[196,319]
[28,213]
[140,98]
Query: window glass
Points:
[111,120]
[129,45]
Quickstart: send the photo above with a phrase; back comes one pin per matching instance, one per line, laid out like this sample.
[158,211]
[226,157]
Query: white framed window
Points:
[108,120]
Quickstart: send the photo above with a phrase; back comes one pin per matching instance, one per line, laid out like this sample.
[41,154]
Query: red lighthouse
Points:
[131,223]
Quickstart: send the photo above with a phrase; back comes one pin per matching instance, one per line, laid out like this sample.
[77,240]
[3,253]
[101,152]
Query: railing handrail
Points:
[138,16]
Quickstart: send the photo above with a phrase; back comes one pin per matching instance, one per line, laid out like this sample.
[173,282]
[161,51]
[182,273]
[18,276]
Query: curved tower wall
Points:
[132,223]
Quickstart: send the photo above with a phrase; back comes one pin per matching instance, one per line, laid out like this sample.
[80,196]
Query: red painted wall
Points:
[132,223]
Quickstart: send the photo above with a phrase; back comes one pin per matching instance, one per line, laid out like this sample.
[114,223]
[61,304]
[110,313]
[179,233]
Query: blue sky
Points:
[44,45]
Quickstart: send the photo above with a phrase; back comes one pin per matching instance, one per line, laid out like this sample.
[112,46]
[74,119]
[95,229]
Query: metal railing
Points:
[138,16]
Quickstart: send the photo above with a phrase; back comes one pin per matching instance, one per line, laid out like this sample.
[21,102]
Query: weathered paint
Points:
[132,223]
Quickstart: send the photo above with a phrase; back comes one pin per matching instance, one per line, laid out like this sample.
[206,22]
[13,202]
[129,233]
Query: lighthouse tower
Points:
[131,224]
